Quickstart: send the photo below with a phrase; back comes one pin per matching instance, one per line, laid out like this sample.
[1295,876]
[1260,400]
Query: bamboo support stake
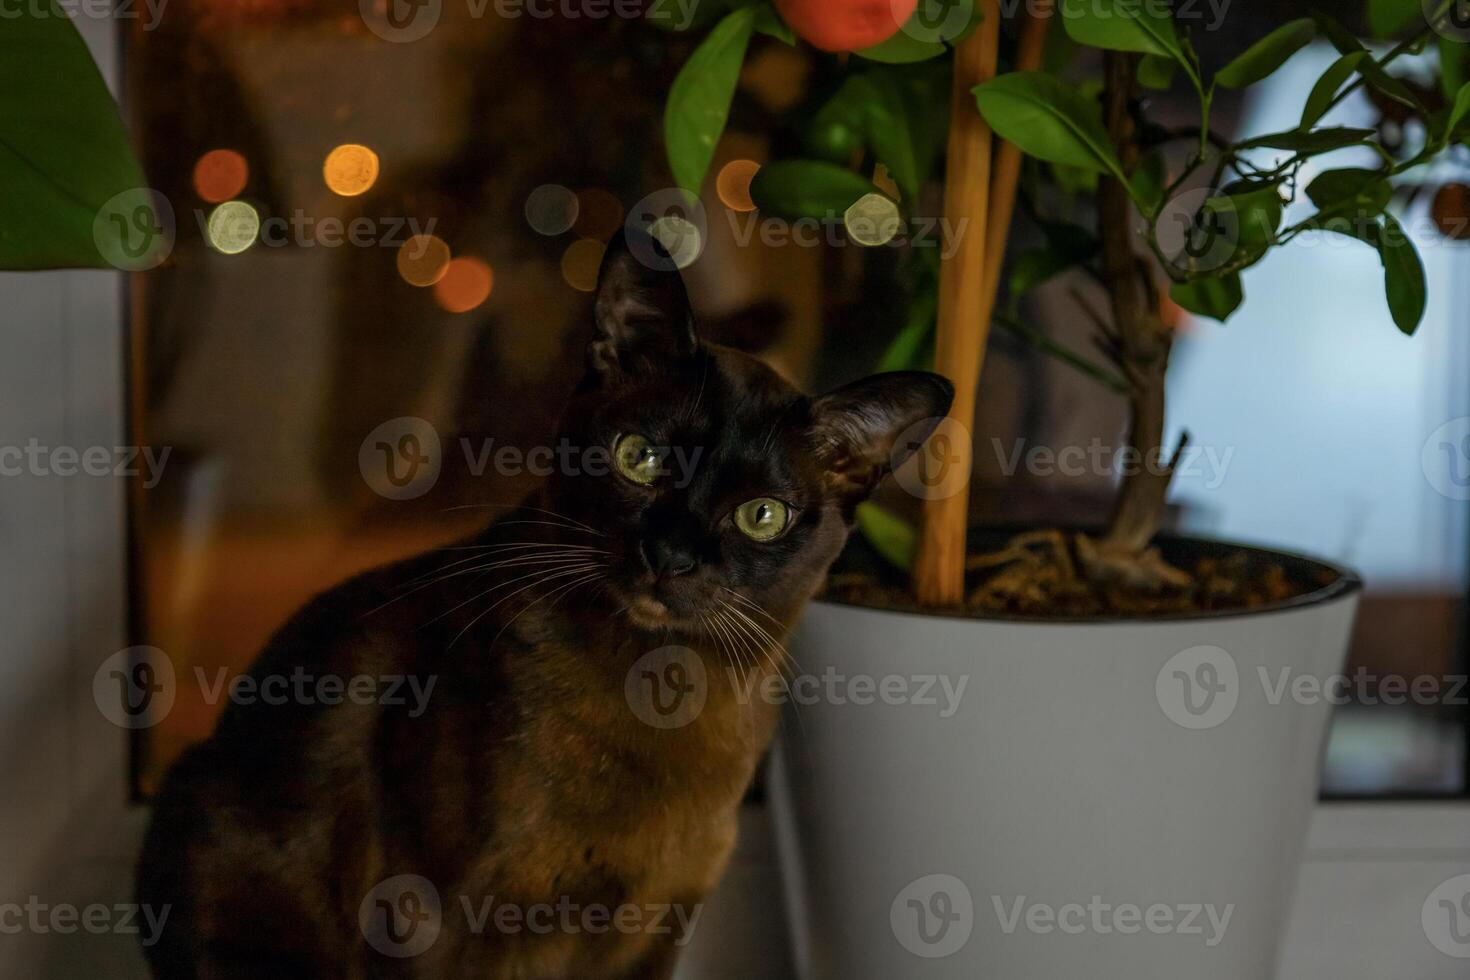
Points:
[961,332]
[1008,159]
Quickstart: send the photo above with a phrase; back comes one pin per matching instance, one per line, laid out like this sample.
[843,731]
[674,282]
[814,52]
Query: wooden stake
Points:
[961,330]
[1008,160]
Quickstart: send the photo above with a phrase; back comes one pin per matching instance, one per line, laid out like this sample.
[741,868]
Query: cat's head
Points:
[722,476]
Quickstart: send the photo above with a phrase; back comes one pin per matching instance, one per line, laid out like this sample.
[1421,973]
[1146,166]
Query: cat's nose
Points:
[667,559]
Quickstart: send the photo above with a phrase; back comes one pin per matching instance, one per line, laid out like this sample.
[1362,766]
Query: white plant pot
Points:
[1097,783]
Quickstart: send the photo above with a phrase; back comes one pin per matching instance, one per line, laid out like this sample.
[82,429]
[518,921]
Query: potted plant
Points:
[1121,790]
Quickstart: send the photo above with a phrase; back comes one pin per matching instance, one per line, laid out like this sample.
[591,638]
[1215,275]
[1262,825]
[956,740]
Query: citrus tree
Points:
[1176,213]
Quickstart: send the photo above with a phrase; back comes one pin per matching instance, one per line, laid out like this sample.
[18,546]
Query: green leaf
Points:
[1386,18]
[1257,216]
[64,155]
[878,108]
[769,23]
[1048,119]
[1342,39]
[807,189]
[910,350]
[1312,142]
[1454,65]
[1328,85]
[1403,274]
[1150,179]
[1156,71]
[1390,86]
[1213,297]
[1350,191]
[699,100]
[890,535]
[1123,25]
[1267,54]
[1461,109]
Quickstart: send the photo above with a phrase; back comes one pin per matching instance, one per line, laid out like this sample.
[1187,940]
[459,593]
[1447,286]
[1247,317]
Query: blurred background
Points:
[369,231]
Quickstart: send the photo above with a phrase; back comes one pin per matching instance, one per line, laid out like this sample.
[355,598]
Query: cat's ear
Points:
[643,314]
[864,430]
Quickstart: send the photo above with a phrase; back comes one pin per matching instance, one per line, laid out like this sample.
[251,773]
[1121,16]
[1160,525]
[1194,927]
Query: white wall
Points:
[64,830]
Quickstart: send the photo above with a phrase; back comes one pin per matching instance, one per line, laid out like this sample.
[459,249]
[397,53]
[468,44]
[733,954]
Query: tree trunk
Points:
[1143,339]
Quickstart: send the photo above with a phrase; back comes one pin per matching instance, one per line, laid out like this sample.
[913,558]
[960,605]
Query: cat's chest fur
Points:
[592,800]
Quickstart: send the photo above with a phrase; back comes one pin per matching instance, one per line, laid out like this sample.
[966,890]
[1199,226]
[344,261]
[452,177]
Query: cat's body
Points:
[561,829]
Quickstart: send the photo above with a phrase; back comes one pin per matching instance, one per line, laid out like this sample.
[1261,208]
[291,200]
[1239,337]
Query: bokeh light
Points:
[233,227]
[733,184]
[551,209]
[872,220]
[351,169]
[580,263]
[423,260]
[599,214]
[680,237]
[220,175]
[465,285]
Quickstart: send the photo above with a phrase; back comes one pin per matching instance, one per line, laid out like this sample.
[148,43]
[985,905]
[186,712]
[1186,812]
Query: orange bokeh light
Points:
[580,264]
[351,169]
[466,283]
[733,184]
[423,260]
[220,175]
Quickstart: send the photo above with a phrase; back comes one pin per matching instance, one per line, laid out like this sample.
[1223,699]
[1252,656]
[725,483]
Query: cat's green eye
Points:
[762,518]
[636,459]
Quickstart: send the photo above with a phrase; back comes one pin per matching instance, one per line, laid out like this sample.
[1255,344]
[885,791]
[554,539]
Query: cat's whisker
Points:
[541,579]
[788,659]
[570,521]
[760,640]
[737,662]
[560,592]
[747,642]
[566,565]
[436,576]
[543,551]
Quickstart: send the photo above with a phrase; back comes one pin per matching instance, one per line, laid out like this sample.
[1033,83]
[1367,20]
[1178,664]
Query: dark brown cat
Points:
[560,791]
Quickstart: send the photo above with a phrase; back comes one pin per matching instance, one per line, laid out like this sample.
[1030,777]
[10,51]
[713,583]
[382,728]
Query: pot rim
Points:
[1347,583]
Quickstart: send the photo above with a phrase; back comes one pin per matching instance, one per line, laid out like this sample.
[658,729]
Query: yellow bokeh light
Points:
[872,220]
[351,169]
[423,260]
[580,263]
[465,285]
[733,184]
[233,227]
